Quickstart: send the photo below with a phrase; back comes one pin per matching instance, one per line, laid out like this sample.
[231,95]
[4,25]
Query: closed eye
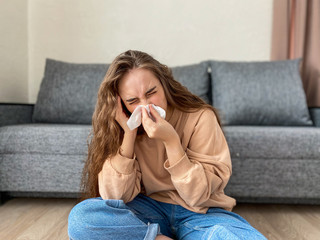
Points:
[152,93]
[148,93]
[134,101]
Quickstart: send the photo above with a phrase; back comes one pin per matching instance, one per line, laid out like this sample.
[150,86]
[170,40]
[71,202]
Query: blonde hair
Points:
[106,133]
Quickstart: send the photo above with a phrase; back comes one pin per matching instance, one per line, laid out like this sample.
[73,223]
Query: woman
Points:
[164,179]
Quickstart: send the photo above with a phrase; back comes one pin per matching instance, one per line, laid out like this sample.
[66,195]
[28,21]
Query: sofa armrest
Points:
[315,115]
[15,113]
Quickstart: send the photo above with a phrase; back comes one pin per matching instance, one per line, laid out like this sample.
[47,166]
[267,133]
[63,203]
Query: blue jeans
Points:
[144,218]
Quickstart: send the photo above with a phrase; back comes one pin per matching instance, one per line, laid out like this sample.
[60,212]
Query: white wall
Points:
[13,51]
[176,32]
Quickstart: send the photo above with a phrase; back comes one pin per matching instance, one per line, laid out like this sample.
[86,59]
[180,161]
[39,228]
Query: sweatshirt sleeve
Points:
[120,178]
[205,168]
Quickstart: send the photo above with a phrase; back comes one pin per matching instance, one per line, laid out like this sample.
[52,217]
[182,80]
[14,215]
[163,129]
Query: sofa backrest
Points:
[244,93]
[266,93]
[68,91]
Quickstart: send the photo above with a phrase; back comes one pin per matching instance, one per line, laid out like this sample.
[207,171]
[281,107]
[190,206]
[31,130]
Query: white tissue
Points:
[135,118]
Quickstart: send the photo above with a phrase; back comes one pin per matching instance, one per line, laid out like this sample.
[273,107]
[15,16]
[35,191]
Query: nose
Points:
[145,102]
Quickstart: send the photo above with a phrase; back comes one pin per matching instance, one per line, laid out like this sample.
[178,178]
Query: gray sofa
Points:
[274,138]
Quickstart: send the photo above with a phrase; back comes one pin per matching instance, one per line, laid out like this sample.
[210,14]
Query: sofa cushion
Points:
[42,157]
[42,138]
[195,77]
[259,93]
[68,92]
[40,173]
[262,142]
[274,162]
[267,142]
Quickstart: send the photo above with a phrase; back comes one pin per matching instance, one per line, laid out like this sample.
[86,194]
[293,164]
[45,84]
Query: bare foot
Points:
[162,237]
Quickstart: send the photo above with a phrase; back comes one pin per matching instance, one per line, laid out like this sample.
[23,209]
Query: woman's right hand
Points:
[122,118]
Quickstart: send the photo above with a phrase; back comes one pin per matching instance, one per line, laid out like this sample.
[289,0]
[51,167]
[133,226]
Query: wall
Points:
[176,32]
[14,51]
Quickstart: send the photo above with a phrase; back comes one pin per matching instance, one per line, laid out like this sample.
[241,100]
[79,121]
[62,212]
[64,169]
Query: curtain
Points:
[296,34]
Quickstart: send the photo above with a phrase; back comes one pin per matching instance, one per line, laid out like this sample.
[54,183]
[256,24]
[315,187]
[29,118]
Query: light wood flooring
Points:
[36,218]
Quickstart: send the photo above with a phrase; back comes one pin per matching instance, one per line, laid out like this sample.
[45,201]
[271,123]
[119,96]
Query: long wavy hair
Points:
[106,135]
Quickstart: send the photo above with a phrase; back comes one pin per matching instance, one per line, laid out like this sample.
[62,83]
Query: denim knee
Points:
[78,218]
[96,212]
[96,218]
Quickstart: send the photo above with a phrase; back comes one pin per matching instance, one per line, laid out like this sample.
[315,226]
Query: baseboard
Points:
[4,197]
[270,200]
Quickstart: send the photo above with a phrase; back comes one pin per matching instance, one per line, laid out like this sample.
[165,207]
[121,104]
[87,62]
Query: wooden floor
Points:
[32,218]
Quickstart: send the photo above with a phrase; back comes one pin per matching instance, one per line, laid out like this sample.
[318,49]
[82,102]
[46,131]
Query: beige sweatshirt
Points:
[196,181]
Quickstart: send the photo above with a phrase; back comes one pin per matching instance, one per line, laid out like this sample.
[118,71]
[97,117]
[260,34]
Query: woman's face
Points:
[141,87]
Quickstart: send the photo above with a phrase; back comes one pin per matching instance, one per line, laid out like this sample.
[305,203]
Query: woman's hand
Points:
[161,129]
[122,118]
[127,146]
[158,129]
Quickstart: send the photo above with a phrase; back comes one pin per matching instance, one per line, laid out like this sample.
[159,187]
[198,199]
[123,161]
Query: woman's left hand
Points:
[160,129]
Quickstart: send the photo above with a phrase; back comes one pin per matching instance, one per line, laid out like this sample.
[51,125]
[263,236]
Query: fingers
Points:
[147,123]
[120,115]
[154,112]
[145,117]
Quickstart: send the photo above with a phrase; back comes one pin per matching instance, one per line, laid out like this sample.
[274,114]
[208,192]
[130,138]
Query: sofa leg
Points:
[4,197]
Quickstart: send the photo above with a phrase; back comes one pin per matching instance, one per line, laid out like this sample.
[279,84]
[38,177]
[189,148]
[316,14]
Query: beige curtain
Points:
[296,34]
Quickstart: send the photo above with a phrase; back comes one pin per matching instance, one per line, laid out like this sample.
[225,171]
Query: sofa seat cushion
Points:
[272,163]
[244,141]
[273,142]
[42,157]
[60,139]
